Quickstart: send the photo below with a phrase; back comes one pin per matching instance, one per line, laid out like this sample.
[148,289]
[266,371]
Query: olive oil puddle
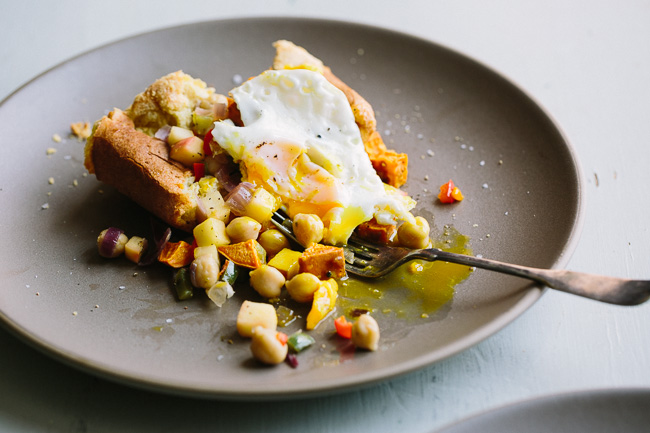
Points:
[417,289]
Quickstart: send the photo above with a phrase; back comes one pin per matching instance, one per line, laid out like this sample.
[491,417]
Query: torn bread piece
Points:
[139,167]
[123,152]
[171,100]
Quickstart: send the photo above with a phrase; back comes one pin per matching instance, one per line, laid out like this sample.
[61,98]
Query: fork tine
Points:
[359,248]
[360,252]
[359,262]
[284,225]
[358,243]
[361,259]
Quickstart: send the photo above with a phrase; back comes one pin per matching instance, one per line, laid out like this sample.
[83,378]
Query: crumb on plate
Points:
[81,130]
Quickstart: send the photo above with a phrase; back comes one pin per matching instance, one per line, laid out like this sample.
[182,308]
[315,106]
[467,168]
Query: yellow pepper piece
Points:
[283,260]
[456,194]
[324,302]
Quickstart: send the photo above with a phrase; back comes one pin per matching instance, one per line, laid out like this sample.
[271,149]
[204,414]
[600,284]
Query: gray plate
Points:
[518,173]
[595,411]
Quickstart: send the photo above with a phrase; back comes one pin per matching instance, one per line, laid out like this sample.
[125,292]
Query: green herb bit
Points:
[300,341]
[183,285]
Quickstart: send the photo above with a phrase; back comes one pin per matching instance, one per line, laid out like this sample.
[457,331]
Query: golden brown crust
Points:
[170,100]
[364,115]
[139,167]
[121,151]
[290,56]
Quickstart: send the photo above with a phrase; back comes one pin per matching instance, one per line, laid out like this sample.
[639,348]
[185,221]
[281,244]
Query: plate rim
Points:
[546,398]
[533,293]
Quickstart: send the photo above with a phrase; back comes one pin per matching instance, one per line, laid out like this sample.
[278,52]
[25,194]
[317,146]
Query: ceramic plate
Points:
[454,117]
[596,411]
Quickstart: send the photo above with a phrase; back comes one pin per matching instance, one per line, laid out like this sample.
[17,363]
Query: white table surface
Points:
[586,61]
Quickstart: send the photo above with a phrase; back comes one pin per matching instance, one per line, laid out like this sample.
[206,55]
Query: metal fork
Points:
[372,261]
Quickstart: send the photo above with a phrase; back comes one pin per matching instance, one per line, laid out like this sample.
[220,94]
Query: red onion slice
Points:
[204,112]
[163,133]
[239,197]
[227,178]
[161,235]
[107,244]
[221,110]
[201,211]
[292,360]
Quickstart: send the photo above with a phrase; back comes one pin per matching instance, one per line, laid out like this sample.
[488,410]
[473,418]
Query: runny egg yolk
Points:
[300,142]
[286,170]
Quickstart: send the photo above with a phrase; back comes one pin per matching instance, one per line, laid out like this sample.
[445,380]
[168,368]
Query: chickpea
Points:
[414,235]
[308,229]
[273,241]
[204,271]
[266,347]
[242,229]
[302,287]
[267,281]
[365,333]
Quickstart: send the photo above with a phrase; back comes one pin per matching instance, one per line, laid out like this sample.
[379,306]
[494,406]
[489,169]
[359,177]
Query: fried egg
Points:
[300,142]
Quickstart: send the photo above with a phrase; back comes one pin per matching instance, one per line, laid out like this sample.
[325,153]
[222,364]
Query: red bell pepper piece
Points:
[199,171]
[449,193]
[282,337]
[343,327]
[207,150]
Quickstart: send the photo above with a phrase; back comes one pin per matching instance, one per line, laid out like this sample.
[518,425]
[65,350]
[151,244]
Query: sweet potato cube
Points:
[177,254]
[283,260]
[248,254]
[377,233]
[324,261]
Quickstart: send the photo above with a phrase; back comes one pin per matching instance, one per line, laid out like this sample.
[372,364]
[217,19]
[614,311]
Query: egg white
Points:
[301,143]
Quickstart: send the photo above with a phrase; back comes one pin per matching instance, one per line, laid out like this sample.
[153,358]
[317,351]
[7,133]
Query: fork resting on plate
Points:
[371,261]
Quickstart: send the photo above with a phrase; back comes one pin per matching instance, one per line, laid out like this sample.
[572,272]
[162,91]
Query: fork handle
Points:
[613,290]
